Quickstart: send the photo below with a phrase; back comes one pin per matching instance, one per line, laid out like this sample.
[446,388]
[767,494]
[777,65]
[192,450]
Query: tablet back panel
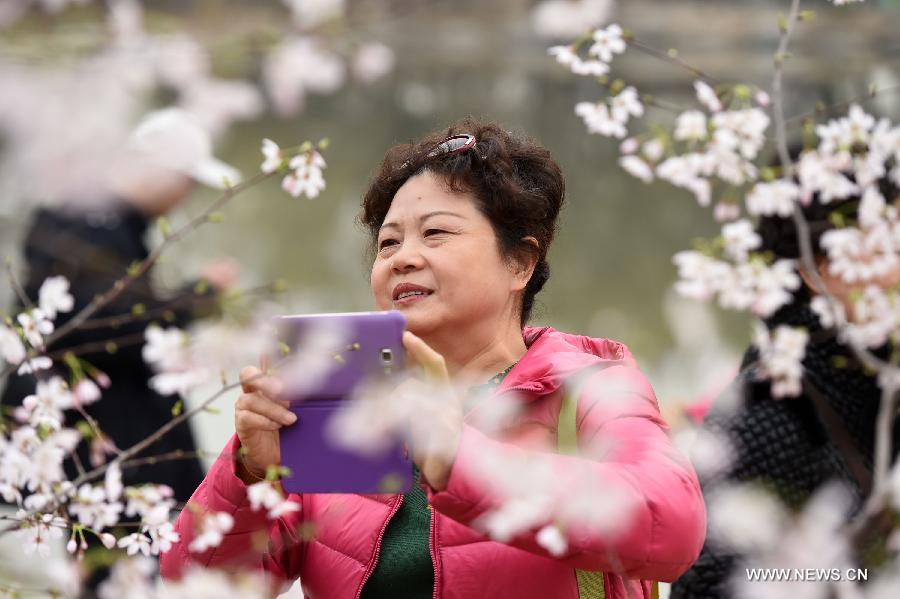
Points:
[370,350]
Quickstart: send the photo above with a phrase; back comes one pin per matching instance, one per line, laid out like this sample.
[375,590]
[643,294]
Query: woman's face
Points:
[438,262]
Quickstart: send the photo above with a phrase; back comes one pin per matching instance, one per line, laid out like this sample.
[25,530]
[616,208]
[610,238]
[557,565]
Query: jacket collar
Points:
[553,356]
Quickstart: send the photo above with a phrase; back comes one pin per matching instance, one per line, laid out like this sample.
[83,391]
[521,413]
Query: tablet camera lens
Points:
[387,356]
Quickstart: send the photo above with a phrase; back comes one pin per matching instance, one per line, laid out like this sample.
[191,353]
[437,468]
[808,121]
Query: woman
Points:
[461,223]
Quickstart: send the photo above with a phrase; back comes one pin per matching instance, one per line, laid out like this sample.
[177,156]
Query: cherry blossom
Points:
[307,178]
[739,239]
[11,347]
[774,198]
[54,296]
[607,42]
[560,19]
[45,407]
[598,119]
[311,13]
[780,355]
[35,326]
[264,495]
[373,61]
[690,126]
[745,518]
[637,168]
[213,527]
[299,65]
[272,154]
[134,543]
[553,540]
[707,96]
[565,55]
[626,104]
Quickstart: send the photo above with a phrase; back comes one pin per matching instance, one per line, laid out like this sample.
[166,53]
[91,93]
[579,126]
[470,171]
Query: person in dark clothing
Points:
[93,248]
[795,445]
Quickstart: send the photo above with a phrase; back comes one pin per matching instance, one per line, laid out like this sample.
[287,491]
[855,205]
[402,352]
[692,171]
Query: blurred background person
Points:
[794,446]
[93,248]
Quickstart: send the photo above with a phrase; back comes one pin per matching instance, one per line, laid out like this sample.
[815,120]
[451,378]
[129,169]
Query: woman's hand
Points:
[258,415]
[438,428]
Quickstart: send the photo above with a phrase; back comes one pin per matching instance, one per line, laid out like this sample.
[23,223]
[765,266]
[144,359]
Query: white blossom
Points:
[840,134]
[35,364]
[774,198]
[35,326]
[553,540]
[134,543]
[654,149]
[45,407]
[311,13]
[86,392]
[297,66]
[11,347]
[272,154]
[726,211]
[637,168]
[54,296]
[741,130]
[162,538]
[690,126]
[597,118]
[700,276]
[213,527]
[825,310]
[626,104]
[822,175]
[745,517]
[164,348]
[607,42]
[561,19]
[740,238]
[707,96]
[565,55]
[373,61]
[781,353]
[264,495]
[306,178]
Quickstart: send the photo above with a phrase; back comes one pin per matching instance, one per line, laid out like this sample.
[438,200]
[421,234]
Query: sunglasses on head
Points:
[454,144]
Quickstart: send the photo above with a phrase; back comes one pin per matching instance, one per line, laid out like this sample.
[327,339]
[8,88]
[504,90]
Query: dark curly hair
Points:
[516,183]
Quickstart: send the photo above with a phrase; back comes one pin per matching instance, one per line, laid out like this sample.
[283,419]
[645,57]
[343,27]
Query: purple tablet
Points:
[336,353]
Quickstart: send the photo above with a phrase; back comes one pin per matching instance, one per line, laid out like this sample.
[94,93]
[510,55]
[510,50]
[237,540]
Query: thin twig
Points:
[841,106]
[178,454]
[17,287]
[674,60]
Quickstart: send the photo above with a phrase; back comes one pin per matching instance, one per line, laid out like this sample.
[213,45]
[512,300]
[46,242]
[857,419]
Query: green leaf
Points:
[324,143]
[84,429]
[163,225]
[178,407]
[201,287]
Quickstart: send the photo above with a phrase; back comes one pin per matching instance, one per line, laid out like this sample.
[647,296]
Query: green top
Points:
[404,569]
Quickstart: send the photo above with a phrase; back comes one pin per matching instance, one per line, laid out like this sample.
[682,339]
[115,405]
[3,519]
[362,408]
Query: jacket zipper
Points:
[374,561]
[432,547]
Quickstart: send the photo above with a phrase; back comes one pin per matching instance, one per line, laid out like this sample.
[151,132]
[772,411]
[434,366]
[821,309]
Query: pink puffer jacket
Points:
[662,537]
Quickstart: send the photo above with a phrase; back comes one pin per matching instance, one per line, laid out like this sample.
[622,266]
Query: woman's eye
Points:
[386,243]
[434,232]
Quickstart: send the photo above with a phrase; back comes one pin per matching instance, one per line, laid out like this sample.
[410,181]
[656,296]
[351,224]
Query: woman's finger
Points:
[247,420]
[253,379]
[423,355]
[259,404]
